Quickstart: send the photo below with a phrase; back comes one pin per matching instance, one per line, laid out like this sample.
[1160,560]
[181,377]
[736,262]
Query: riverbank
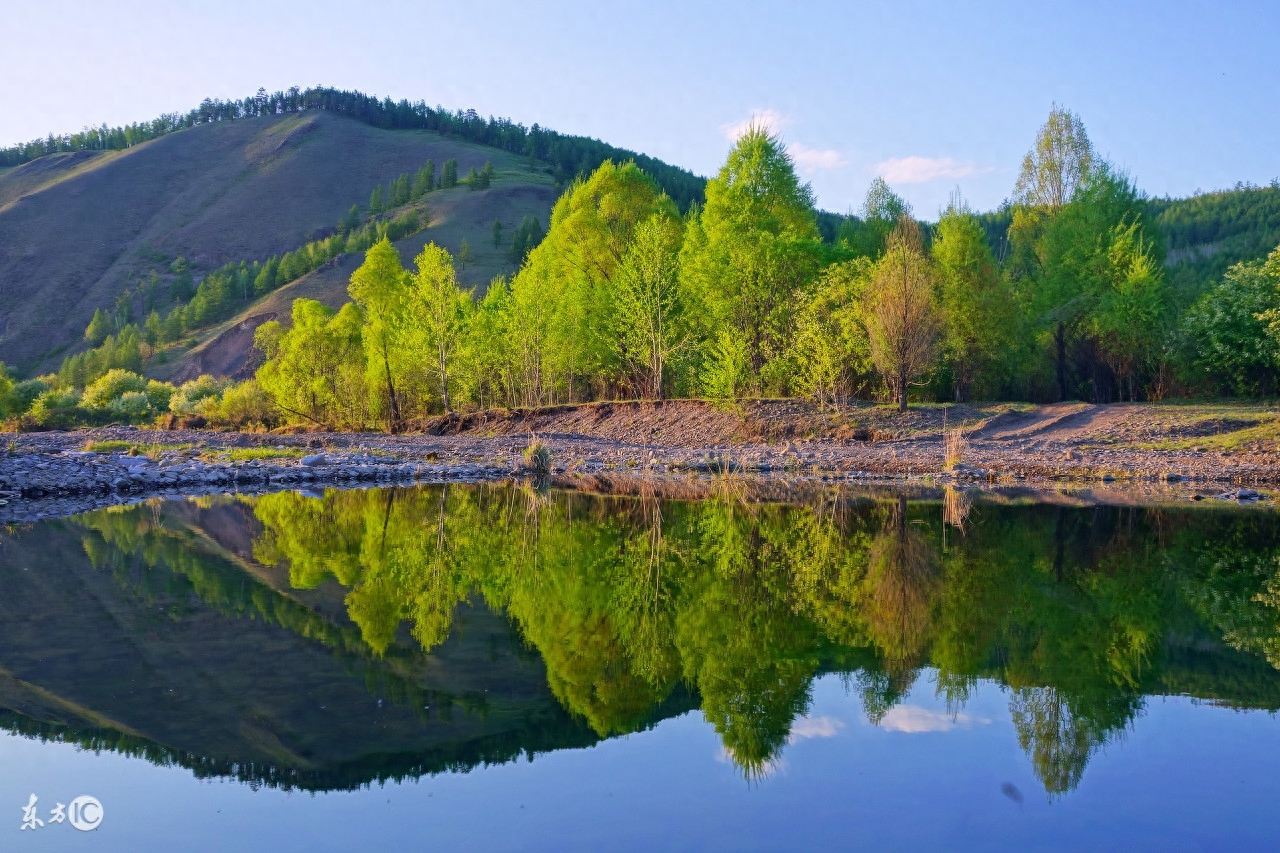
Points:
[1166,450]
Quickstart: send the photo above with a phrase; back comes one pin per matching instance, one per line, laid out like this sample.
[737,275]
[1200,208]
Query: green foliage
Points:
[424,181]
[832,353]
[1230,339]
[98,329]
[449,174]
[1078,613]
[189,395]
[376,204]
[525,239]
[866,236]
[980,314]
[435,318]
[315,371]
[755,253]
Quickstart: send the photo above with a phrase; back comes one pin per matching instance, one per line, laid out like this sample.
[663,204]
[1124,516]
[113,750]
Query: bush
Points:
[23,395]
[57,408]
[243,405]
[132,406]
[159,394]
[186,399]
[110,387]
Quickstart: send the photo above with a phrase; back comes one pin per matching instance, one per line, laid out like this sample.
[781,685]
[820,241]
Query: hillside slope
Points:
[78,229]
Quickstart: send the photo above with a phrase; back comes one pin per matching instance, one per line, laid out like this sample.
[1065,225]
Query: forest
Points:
[746,291]
[566,155]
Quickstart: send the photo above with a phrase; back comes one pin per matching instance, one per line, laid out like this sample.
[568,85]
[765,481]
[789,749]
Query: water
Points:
[499,668]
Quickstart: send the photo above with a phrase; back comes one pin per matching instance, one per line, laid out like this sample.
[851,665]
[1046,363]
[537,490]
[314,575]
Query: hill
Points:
[78,229]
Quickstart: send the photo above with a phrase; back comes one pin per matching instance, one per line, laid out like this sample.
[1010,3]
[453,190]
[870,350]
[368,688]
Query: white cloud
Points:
[914,720]
[811,727]
[919,170]
[771,119]
[815,159]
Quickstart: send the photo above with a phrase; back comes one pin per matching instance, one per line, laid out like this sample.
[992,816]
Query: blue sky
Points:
[932,95]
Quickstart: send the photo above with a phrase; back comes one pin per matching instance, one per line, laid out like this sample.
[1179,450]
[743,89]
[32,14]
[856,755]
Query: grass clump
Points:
[953,448]
[246,454]
[537,457]
[137,448]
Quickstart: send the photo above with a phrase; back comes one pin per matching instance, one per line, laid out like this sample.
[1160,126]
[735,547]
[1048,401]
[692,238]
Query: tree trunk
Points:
[902,393]
[391,391]
[1060,338]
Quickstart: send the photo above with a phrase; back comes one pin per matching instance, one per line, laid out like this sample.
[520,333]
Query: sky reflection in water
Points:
[696,675]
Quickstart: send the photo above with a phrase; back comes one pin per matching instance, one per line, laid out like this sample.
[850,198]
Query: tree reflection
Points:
[628,601]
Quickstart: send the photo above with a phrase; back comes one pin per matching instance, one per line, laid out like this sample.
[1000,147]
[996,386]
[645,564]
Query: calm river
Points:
[500,668]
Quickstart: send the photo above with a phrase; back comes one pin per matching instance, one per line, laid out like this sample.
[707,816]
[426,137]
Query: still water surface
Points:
[494,668]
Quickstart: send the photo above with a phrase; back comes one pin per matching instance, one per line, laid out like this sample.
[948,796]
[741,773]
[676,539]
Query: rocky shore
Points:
[54,474]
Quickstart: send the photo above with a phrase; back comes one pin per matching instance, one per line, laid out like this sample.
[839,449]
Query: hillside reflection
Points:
[638,607]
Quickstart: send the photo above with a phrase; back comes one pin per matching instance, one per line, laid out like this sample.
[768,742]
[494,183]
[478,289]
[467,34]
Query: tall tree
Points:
[98,329]
[978,309]
[449,174]
[901,317]
[437,310]
[1060,161]
[651,304]
[757,248]
[1057,164]
[380,287]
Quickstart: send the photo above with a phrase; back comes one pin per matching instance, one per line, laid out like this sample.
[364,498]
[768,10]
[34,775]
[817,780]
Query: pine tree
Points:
[449,174]
[375,201]
[422,181]
[497,233]
[98,329]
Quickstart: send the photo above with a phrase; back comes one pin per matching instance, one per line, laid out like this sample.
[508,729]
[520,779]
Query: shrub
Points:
[185,400]
[23,395]
[242,405]
[56,408]
[109,387]
[131,405]
[159,394]
[537,457]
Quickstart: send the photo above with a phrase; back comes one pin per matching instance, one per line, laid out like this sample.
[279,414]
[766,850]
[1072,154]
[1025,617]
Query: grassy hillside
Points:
[78,229]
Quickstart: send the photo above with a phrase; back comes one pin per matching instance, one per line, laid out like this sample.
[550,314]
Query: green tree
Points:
[901,315]
[650,303]
[315,370]
[497,233]
[449,174]
[593,227]
[375,201]
[424,180]
[400,190]
[153,329]
[380,287]
[438,309]
[831,352]
[881,210]
[1057,164]
[756,250]
[978,309]
[1232,339]
[98,329]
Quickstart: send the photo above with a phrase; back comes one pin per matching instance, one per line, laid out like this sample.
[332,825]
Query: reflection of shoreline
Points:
[641,608]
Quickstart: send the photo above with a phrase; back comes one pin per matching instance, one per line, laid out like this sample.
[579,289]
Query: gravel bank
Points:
[58,473]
